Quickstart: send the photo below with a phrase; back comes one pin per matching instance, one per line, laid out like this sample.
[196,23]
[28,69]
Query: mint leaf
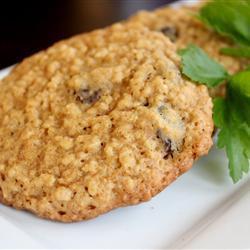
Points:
[239,93]
[235,137]
[200,68]
[231,115]
[237,51]
[230,18]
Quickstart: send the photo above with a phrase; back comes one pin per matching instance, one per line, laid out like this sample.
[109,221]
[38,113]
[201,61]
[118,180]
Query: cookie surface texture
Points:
[183,28]
[98,121]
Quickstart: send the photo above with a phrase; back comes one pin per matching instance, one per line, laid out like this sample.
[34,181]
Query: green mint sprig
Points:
[204,70]
[232,113]
[230,18]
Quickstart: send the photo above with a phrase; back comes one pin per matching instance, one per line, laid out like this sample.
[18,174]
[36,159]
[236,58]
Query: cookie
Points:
[98,121]
[183,28]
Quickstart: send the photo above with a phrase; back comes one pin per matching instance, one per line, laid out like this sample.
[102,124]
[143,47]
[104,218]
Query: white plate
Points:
[202,209]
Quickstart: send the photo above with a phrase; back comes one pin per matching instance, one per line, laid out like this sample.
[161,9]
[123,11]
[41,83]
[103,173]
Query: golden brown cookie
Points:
[183,28]
[98,121]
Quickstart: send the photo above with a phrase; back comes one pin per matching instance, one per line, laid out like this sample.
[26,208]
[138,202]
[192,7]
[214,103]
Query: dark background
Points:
[29,26]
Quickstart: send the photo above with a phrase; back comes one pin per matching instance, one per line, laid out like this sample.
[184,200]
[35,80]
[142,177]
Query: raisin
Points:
[87,96]
[167,144]
[2,176]
[146,103]
[61,213]
[170,32]
[91,207]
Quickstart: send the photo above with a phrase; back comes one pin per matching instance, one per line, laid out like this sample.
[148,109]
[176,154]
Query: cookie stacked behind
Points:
[183,28]
[98,121]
